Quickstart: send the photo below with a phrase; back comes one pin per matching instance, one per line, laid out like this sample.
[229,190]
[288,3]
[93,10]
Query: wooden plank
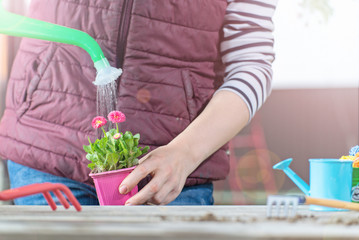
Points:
[172,222]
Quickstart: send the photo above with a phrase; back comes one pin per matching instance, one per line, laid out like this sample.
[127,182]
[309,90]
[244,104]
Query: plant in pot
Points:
[112,158]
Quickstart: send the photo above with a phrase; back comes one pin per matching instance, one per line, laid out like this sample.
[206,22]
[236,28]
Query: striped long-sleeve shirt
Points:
[247,50]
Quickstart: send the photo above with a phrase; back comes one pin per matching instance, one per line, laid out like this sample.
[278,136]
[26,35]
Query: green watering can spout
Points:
[21,26]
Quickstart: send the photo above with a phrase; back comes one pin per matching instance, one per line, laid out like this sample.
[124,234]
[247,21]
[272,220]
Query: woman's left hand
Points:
[169,167]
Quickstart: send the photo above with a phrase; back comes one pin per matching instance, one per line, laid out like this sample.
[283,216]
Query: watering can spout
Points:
[21,26]
[284,165]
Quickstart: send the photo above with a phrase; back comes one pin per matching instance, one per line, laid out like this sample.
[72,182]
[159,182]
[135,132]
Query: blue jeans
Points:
[21,175]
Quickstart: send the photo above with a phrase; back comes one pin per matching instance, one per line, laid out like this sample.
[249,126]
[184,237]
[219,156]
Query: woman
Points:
[171,52]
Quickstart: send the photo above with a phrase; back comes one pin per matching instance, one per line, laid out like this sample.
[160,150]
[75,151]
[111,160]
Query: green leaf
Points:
[138,153]
[89,157]
[128,135]
[98,149]
[91,166]
[122,144]
[87,148]
[136,139]
[111,143]
[125,153]
[102,143]
[145,149]
[129,142]
[135,162]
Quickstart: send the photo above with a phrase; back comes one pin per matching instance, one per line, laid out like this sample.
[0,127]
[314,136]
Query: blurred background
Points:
[313,111]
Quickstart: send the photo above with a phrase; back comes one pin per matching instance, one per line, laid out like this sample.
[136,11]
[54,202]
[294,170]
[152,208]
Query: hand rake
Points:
[45,189]
[289,204]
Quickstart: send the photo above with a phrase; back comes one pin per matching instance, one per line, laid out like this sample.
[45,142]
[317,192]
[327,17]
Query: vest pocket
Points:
[190,89]
[34,73]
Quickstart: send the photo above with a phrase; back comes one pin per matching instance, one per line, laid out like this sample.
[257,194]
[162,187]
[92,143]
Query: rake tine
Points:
[69,196]
[269,208]
[49,200]
[278,208]
[272,203]
[61,198]
[286,207]
[291,204]
[288,203]
[43,188]
[294,208]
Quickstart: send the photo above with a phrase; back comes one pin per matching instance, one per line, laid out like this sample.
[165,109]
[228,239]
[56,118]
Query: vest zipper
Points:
[123,31]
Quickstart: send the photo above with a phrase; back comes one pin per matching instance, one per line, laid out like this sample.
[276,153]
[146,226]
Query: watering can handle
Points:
[21,26]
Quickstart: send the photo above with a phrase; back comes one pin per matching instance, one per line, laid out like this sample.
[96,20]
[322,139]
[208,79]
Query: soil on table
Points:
[211,217]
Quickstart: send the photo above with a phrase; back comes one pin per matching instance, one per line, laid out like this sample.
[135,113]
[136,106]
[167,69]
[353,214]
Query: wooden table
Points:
[175,222]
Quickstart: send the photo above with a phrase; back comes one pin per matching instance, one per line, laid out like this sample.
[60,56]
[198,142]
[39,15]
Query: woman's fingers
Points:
[151,191]
[165,195]
[171,196]
[157,192]
[140,172]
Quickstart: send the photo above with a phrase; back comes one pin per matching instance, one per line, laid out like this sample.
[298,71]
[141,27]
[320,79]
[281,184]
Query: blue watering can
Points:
[329,178]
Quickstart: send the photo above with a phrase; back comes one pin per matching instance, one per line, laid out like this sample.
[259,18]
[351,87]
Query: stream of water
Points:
[106,101]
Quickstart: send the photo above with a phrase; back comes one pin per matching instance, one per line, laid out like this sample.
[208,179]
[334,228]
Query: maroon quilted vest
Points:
[168,50]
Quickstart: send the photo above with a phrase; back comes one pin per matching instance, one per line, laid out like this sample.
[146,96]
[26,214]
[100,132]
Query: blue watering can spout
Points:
[284,165]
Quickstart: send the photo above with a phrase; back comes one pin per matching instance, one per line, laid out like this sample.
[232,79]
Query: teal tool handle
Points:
[21,26]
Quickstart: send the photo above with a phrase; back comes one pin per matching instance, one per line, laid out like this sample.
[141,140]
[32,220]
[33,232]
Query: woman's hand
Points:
[169,167]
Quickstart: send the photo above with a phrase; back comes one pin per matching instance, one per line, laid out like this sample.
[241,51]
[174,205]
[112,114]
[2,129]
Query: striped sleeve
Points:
[247,50]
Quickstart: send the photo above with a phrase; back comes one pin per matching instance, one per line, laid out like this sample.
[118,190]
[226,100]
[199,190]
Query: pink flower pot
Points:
[107,183]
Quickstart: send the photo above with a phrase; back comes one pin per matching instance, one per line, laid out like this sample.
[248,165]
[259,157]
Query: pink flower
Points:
[116,117]
[98,122]
[117,135]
